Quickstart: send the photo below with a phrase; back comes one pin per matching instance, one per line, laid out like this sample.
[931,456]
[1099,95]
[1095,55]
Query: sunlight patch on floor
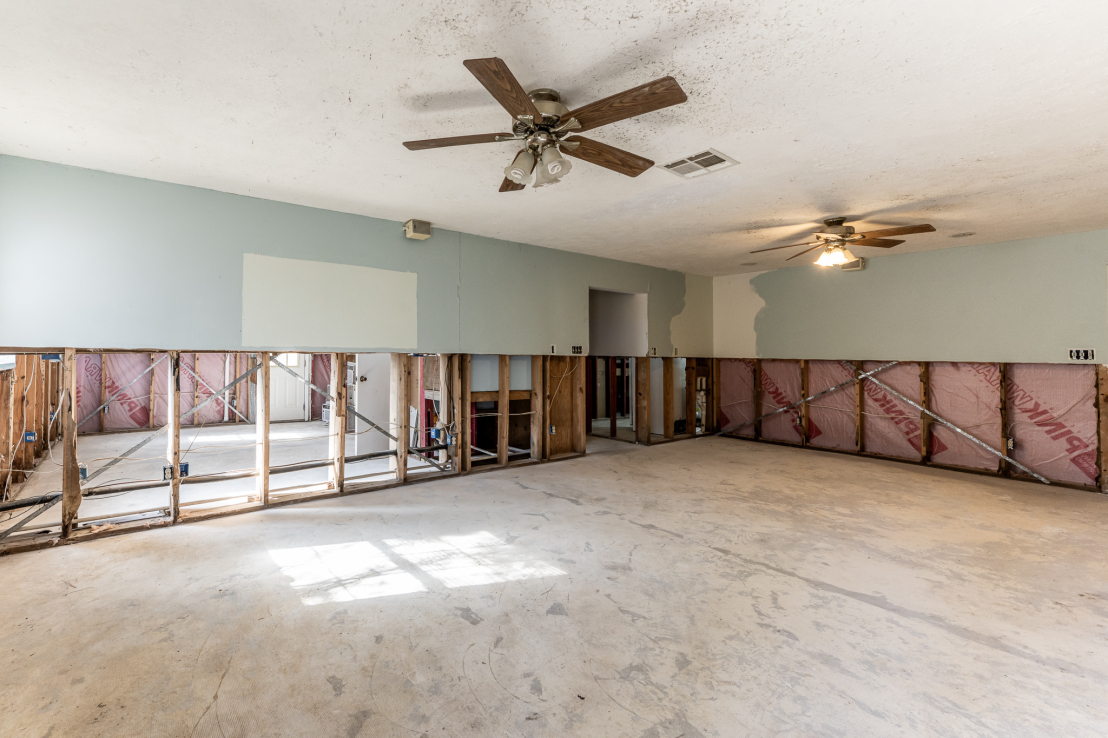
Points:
[479,558]
[343,572]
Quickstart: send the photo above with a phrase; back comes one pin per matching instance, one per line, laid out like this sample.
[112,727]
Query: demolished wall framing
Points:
[556,398]
[999,403]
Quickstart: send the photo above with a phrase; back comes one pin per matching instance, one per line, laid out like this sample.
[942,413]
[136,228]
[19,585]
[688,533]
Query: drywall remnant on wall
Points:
[476,294]
[309,303]
[1026,301]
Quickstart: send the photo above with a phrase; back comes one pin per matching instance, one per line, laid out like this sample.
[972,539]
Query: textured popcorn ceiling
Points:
[987,117]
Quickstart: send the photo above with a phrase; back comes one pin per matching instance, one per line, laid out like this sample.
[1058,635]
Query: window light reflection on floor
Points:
[479,558]
[343,572]
[357,571]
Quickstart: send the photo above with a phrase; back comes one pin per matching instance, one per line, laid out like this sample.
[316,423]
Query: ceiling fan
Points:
[542,123]
[835,237]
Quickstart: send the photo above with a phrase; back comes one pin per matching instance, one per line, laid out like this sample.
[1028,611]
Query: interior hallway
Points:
[704,588]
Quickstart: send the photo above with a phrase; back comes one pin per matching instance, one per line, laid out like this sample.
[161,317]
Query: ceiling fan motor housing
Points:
[549,103]
[835,227]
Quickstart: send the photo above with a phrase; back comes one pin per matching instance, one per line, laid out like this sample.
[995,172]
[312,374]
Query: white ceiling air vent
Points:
[700,164]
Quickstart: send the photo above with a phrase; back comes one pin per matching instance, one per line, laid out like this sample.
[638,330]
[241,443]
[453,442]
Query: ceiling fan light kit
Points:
[519,171]
[835,256]
[548,129]
[836,236]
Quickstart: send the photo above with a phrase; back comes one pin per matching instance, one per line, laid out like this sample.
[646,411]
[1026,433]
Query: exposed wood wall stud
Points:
[71,478]
[39,404]
[642,400]
[758,397]
[19,418]
[336,441]
[261,430]
[805,425]
[1005,431]
[1102,425]
[150,413]
[546,389]
[399,417]
[537,404]
[173,442]
[456,414]
[613,393]
[444,405]
[103,414]
[667,397]
[465,439]
[859,414]
[924,418]
[690,396]
[715,393]
[502,405]
[196,386]
[580,415]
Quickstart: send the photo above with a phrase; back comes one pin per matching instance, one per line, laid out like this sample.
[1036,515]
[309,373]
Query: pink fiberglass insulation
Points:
[967,395]
[736,377]
[188,387]
[1052,417]
[161,392]
[131,409]
[212,368]
[88,391]
[321,377]
[892,427]
[781,387]
[831,418]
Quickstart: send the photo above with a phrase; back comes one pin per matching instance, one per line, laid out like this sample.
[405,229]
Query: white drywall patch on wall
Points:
[734,307]
[295,303]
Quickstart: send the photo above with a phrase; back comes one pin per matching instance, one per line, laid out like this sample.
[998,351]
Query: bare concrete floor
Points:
[704,588]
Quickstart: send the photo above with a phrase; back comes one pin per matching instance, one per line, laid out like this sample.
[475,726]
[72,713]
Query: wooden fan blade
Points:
[883,243]
[661,93]
[899,231]
[509,186]
[494,74]
[438,143]
[608,157]
[802,253]
[774,248]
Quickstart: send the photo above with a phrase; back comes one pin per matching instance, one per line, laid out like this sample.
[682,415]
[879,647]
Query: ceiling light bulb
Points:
[833,256]
[554,163]
[542,178]
[519,171]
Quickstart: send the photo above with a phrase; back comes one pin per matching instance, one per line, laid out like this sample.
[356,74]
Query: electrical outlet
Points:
[653,351]
[576,349]
[1010,444]
[553,349]
[1081,355]
[29,437]
[552,430]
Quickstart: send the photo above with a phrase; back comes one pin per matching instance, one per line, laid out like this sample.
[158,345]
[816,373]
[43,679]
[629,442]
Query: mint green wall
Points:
[1018,301]
[97,260]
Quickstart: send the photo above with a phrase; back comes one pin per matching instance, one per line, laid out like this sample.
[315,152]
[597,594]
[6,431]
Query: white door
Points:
[286,392]
[371,399]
